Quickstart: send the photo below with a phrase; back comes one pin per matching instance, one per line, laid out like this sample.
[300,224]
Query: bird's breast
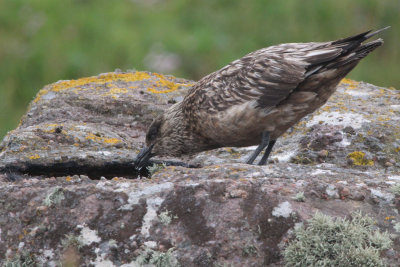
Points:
[243,124]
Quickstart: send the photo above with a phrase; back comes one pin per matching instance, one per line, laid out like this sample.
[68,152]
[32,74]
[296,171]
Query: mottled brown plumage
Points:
[255,98]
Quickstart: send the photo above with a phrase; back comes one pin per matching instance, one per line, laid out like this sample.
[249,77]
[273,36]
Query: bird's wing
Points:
[268,76]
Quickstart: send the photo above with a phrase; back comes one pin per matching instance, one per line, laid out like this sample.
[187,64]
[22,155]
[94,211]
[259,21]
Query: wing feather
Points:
[269,75]
[263,76]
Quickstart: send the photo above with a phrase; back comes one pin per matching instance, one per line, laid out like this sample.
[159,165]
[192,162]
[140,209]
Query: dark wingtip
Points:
[359,38]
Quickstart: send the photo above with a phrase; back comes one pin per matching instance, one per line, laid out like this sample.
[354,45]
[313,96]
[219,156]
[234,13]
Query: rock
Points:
[77,126]
[54,208]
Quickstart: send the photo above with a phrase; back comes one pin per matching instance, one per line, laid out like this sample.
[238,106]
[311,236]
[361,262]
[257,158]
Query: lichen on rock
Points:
[337,242]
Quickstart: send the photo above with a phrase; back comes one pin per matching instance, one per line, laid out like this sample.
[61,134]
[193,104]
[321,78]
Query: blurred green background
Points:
[43,41]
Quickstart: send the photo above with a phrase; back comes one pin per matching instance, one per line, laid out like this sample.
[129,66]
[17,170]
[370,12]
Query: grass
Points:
[43,41]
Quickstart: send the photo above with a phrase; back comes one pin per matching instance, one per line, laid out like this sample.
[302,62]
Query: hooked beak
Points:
[143,157]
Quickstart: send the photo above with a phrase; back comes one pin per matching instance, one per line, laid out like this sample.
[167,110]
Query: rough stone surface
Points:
[79,125]
[345,158]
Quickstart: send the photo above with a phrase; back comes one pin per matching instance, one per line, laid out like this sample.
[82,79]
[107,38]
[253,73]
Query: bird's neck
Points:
[185,130]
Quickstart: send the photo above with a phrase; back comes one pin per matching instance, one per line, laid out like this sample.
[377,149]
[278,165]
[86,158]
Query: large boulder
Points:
[55,208]
[79,126]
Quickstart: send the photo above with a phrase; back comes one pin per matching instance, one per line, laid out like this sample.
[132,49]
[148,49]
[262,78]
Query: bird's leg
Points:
[264,159]
[261,146]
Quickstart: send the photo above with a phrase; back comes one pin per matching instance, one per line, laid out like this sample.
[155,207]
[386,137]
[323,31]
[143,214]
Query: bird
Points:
[255,99]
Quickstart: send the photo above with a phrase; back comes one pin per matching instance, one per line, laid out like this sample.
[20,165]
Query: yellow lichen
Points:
[235,169]
[36,156]
[101,79]
[40,94]
[233,152]
[164,82]
[382,118]
[68,178]
[350,83]
[106,78]
[228,149]
[19,123]
[326,108]
[389,218]
[116,90]
[105,140]
[359,159]
[53,127]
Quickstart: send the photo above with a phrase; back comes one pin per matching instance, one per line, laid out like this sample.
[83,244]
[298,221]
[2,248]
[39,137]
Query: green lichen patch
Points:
[337,242]
[358,158]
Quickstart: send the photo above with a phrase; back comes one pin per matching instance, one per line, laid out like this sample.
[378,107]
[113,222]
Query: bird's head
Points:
[165,136]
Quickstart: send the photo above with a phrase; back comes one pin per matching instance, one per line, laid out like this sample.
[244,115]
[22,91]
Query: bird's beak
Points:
[143,157]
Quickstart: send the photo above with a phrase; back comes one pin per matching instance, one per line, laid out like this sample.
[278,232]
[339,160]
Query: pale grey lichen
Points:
[166,217]
[337,242]
[71,240]
[54,197]
[397,227]
[157,258]
[155,168]
[22,259]
[395,189]
[284,209]
[299,197]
